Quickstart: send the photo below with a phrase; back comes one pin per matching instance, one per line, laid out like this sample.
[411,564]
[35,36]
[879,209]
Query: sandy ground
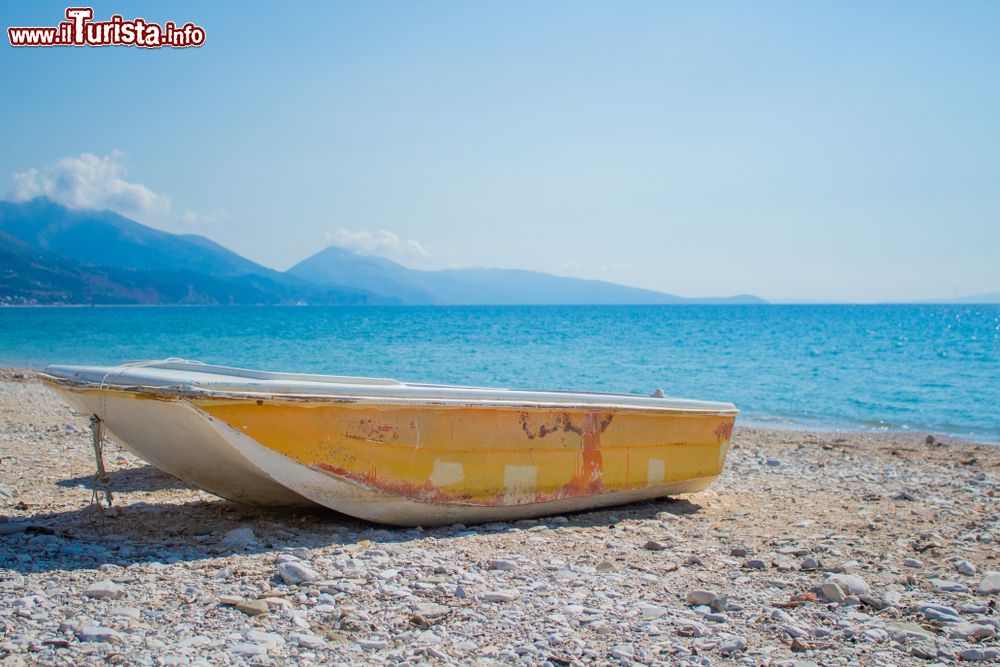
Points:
[813,548]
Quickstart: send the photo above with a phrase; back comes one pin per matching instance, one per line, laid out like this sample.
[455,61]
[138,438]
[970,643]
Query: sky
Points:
[843,151]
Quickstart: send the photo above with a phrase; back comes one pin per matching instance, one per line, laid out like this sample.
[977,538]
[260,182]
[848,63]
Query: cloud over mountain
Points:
[382,243]
[89,181]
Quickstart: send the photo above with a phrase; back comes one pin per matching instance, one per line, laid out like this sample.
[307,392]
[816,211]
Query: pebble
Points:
[832,592]
[732,645]
[239,538]
[971,631]
[125,612]
[247,650]
[98,633]
[505,595]
[502,564]
[252,607]
[980,654]
[294,572]
[653,545]
[701,597]
[989,584]
[965,567]
[755,564]
[577,590]
[949,586]
[310,641]
[913,562]
[105,590]
[850,583]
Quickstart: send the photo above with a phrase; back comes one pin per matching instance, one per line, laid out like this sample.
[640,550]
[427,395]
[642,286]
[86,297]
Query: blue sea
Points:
[907,367]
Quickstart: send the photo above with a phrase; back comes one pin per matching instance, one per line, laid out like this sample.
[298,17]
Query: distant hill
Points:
[335,265]
[987,298]
[990,297]
[50,254]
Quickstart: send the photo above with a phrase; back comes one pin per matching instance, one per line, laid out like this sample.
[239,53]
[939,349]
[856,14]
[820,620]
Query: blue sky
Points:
[804,151]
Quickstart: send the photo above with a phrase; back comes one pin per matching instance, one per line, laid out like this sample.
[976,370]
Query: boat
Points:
[400,453]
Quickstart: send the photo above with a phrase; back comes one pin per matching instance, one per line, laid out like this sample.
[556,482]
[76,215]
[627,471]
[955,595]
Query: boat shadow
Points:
[129,480]
[177,533]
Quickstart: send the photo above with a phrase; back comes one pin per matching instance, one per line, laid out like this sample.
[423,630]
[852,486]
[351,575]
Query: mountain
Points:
[335,265]
[990,298]
[52,254]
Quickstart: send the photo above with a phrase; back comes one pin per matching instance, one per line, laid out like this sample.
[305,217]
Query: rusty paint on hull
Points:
[488,456]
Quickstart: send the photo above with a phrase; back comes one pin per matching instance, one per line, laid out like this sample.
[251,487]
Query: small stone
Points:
[948,586]
[773,462]
[269,640]
[623,652]
[915,563]
[252,607]
[989,584]
[832,592]
[733,645]
[606,566]
[755,564]
[850,583]
[98,633]
[965,567]
[239,538]
[247,650]
[502,564]
[970,631]
[739,552]
[700,597]
[651,612]
[504,595]
[105,590]
[904,630]
[979,654]
[653,545]
[809,563]
[309,641]
[295,572]
[875,603]
[372,643]
[794,631]
[431,610]
[460,592]
[125,612]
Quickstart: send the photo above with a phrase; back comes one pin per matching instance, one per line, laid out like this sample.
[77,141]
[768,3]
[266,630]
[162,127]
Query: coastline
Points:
[907,525]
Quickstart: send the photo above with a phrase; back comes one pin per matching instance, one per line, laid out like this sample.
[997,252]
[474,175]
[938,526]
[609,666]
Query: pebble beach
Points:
[811,549]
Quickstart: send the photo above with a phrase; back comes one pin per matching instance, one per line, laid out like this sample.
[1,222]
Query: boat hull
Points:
[415,464]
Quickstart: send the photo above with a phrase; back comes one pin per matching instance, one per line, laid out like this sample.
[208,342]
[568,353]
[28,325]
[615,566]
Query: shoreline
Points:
[835,548]
[756,421]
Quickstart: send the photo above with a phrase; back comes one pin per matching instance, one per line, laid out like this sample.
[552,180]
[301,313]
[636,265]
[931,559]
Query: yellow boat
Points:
[403,454]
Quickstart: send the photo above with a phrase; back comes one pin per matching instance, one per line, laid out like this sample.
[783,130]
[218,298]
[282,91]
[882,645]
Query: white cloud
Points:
[91,182]
[383,242]
[195,219]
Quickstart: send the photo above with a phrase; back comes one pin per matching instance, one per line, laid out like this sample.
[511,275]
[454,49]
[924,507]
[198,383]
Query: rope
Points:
[101,482]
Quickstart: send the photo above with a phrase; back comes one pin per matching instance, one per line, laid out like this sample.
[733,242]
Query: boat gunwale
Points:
[195,393]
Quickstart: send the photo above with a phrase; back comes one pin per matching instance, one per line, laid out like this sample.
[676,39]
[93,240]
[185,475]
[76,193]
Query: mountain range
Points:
[51,254]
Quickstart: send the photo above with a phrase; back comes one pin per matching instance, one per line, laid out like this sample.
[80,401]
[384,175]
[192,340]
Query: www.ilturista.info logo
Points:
[81,30]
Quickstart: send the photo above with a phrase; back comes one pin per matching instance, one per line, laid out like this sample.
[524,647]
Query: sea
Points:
[932,368]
